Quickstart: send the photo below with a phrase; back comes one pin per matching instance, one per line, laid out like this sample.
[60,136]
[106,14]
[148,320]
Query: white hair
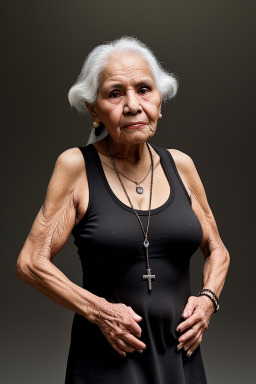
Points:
[88,82]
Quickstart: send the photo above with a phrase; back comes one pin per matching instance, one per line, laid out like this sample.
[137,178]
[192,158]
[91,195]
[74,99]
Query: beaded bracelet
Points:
[216,304]
[207,289]
[211,292]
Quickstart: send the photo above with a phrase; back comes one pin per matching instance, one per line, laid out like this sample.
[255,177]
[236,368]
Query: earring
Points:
[95,124]
[160,115]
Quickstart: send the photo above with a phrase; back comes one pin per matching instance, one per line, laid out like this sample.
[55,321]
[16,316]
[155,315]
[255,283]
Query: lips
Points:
[136,124]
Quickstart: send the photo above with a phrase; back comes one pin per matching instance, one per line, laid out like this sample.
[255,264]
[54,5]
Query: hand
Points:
[199,311]
[118,324]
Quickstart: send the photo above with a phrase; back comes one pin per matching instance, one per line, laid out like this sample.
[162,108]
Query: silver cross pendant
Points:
[149,277]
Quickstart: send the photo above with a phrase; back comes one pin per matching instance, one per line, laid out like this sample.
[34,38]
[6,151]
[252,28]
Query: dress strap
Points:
[171,166]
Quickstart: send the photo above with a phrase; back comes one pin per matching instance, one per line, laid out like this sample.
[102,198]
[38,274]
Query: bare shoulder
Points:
[188,172]
[190,177]
[185,167]
[69,168]
[72,174]
[71,160]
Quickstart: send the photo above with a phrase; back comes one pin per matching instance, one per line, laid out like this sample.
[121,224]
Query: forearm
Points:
[50,281]
[215,270]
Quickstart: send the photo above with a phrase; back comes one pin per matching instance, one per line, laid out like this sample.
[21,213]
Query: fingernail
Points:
[140,350]
[124,354]
[189,354]
[185,313]
[179,346]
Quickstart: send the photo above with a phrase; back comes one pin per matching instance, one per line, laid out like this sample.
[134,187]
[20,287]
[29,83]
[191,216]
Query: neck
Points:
[132,153]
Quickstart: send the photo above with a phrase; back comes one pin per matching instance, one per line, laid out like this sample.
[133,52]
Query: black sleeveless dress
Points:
[109,242]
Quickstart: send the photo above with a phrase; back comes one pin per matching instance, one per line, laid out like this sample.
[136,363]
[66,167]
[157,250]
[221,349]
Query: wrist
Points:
[212,296]
[96,308]
[208,302]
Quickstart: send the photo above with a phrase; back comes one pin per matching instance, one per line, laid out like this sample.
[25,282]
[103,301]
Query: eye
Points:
[144,90]
[114,94]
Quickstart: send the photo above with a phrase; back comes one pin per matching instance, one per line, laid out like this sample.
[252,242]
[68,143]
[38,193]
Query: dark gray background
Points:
[210,46]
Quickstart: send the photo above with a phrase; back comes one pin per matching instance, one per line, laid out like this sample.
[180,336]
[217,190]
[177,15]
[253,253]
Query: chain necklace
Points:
[148,276]
[139,189]
[136,182]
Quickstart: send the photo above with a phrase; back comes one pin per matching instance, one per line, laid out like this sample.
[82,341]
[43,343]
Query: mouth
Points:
[135,125]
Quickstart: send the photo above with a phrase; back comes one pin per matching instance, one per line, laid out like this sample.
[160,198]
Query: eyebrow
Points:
[119,85]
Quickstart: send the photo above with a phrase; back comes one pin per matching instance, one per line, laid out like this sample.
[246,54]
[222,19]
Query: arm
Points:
[217,260]
[48,235]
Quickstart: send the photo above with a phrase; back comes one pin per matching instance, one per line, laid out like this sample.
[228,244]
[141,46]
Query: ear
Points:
[92,110]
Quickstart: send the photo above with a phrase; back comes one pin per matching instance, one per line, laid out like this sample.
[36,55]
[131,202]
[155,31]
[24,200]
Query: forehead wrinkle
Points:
[115,79]
[117,83]
[120,72]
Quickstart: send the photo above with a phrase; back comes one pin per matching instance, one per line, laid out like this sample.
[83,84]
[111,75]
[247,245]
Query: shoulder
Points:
[70,166]
[182,161]
[189,174]
[71,160]
[67,173]
[185,167]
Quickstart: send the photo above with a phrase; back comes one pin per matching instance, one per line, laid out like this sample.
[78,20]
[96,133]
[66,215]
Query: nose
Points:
[132,104]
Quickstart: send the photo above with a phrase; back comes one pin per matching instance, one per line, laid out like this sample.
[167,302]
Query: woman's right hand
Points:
[118,323]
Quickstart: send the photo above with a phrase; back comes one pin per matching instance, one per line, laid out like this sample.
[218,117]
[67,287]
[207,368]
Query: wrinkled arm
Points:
[48,235]
[217,258]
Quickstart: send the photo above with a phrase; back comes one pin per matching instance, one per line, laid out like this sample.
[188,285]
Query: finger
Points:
[134,314]
[125,346]
[191,341]
[195,345]
[133,341]
[117,348]
[195,318]
[133,327]
[190,333]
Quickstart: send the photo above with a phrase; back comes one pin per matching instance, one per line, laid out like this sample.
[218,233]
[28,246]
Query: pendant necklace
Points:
[139,189]
[148,276]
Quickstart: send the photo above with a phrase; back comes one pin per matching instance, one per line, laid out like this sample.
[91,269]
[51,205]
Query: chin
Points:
[137,136]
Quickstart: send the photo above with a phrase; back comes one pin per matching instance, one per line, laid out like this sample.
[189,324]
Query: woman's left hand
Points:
[199,311]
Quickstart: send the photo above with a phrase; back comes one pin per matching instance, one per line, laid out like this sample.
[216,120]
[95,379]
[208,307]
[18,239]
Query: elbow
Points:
[21,265]
[225,258]
[21,271]
[25,271]
[31,263]
[30,271]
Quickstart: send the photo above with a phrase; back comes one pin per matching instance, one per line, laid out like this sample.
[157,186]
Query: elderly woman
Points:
[138,212]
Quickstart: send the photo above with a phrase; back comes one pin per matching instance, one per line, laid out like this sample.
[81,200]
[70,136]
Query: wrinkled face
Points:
[127,94]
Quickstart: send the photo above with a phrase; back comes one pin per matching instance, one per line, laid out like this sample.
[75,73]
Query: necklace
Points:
[148,276]
[139,189]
